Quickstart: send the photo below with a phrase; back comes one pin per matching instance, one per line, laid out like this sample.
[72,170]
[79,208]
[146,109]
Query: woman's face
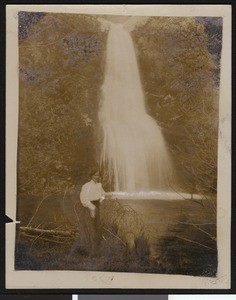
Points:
[96,177]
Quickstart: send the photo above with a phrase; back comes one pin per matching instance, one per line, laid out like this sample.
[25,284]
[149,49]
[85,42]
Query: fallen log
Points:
[45,239]
[32,230]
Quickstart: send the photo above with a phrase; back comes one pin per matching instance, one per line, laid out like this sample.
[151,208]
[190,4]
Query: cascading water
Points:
[134,152]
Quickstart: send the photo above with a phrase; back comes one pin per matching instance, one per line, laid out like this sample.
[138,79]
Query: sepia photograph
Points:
[118,143]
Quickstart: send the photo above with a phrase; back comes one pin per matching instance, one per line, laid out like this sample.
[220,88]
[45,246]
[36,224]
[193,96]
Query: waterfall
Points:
[134,153]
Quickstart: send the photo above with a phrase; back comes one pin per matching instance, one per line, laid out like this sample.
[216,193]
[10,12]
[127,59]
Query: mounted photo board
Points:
[131,105]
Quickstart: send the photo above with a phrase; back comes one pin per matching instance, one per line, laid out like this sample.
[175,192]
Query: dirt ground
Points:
[181,236]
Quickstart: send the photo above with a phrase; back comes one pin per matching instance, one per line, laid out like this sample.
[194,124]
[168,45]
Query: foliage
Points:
[26,19]
[213,29]
[61,69]
[177,75]
[127,225]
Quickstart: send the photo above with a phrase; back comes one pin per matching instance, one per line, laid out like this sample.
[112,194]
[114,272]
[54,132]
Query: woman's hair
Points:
[94,171]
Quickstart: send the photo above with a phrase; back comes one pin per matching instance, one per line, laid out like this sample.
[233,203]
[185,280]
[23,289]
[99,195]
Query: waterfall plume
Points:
[133,153]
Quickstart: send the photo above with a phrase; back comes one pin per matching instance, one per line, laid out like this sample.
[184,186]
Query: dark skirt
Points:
[89,235]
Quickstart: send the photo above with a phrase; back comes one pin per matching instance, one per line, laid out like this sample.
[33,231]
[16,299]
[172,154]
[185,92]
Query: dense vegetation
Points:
[61,72]
[177,72]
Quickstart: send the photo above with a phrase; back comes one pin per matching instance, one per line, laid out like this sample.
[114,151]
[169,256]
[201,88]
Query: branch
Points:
[115,236]
[194,242]
[200,229]
[44,239]
[37,209]
[45,231]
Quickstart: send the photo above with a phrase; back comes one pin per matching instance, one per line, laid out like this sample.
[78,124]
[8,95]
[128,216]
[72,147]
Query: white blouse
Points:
[91,191]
